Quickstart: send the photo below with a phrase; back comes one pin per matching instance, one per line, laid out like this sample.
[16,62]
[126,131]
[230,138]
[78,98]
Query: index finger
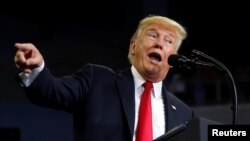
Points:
[24,46]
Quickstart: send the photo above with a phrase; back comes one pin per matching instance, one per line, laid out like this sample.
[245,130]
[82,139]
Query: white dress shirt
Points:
[158,116]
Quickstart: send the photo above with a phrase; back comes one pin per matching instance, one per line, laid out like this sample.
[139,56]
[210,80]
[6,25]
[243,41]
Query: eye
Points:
[169,41]
[152,35]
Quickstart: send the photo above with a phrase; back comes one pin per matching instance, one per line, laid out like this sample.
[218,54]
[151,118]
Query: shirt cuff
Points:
[27,79]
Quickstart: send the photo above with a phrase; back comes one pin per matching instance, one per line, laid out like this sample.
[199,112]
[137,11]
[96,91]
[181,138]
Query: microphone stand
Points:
[222,67]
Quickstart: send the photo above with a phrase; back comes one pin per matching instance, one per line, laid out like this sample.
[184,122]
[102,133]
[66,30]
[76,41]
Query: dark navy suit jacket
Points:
[102,102]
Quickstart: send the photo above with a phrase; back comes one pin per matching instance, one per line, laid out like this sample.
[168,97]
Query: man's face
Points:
[150,51]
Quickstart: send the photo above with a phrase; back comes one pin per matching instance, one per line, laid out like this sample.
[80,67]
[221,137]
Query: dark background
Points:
[70,34]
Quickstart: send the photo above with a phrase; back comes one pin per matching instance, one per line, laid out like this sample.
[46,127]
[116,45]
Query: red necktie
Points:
[144,127]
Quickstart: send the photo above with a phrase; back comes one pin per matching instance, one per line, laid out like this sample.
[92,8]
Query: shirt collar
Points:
[139,80]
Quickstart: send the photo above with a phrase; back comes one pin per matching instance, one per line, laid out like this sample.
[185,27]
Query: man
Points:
[104,103]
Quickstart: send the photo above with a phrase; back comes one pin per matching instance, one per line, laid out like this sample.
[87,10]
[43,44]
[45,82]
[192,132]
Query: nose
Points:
[159,44]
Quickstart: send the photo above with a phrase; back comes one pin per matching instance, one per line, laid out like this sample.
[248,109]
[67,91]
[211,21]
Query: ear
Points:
[132,47]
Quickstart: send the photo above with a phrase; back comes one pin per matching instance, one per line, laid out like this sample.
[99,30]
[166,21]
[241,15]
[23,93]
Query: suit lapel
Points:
[170,109]
[126,88]
[125,84]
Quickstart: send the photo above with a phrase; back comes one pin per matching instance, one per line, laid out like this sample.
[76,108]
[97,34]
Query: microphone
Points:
[182,61]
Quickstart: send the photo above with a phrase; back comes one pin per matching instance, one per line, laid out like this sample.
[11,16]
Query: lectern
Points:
[194,130]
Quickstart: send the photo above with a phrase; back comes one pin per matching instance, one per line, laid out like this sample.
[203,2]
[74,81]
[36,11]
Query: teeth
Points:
[155,56]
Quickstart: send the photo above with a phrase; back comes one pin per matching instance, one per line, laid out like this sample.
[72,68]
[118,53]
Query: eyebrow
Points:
[171,35]
[152,29]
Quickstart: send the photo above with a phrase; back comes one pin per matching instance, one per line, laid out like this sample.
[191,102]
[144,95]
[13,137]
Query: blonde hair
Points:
[151,19]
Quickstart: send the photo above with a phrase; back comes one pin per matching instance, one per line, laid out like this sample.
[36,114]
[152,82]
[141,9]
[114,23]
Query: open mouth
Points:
[155,56]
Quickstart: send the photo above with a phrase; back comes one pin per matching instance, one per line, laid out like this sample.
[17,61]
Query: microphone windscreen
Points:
[173,59]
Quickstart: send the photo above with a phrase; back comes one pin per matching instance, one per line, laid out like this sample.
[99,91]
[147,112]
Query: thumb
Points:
[34,62]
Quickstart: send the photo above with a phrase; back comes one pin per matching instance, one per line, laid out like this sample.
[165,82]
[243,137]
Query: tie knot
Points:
[148,85]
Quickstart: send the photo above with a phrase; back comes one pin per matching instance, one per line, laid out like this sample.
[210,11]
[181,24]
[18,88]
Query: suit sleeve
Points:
[60,93]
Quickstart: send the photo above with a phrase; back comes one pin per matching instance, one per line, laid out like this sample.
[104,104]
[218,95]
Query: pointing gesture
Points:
[27,57]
